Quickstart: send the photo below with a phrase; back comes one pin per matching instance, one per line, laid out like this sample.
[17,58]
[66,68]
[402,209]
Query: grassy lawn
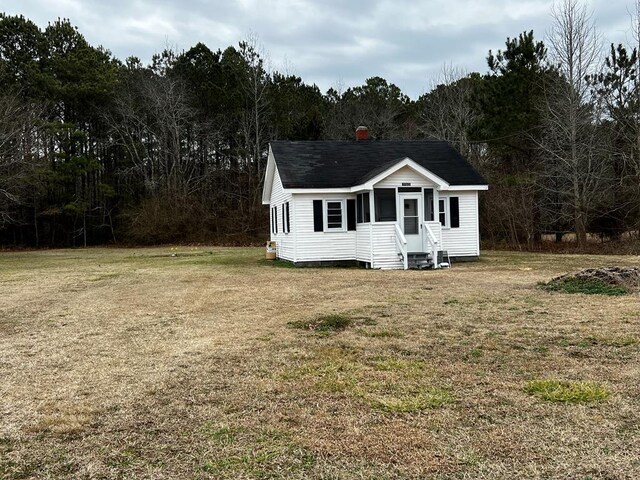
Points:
[132,363]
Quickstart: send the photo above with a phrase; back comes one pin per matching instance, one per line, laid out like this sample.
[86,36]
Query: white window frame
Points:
[447,217]
[343,207]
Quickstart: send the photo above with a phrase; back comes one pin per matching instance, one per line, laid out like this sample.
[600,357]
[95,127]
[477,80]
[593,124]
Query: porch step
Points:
[419,260]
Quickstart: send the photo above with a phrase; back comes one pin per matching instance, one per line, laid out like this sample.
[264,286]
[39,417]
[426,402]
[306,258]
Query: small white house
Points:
[383,204]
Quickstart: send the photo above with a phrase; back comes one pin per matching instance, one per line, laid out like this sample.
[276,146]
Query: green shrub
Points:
[565,391]
[326,323]
[589,286]
[333,322]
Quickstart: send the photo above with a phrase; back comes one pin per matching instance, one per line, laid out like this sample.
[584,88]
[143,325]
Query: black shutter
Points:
[284,219]
[317,216]
[351,213]
[454,212]
[428,204]
[359,208]
[275,226]
[288,219]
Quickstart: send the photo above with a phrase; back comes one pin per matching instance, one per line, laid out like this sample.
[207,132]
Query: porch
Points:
[400,228]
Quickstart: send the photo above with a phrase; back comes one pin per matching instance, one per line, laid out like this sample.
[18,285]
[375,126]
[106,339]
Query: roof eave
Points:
[268,178]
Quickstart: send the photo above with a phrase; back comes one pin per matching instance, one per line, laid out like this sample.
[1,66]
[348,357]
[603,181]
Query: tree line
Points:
[94,149]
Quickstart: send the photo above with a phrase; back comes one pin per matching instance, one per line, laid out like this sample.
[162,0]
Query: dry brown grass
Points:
[119,363]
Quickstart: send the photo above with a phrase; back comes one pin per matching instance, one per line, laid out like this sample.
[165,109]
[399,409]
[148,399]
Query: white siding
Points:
[463,241]
[285,242]
[385,254]
[404,175]
[363,242]
[320,246]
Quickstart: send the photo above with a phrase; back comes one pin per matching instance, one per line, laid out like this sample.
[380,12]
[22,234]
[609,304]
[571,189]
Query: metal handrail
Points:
[401,244]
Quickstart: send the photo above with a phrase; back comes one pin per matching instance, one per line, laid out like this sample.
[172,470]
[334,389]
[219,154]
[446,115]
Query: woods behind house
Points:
[95,149]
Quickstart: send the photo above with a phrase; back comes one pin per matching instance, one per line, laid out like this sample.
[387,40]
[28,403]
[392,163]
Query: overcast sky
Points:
[330,42]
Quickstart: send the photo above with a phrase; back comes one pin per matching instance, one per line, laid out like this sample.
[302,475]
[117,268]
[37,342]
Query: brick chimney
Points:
[362,133]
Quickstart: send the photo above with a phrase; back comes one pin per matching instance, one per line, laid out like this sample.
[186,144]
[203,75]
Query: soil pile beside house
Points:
[604,280]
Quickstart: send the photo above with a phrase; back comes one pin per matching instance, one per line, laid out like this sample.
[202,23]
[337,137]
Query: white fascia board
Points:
[466,187]
[367,187]
[319,190]
[407,162]
[268,178]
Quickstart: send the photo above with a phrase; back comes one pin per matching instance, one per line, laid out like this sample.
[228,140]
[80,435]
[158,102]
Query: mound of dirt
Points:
[628,277]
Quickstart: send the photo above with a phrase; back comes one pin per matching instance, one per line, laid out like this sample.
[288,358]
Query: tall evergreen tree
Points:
[510,124]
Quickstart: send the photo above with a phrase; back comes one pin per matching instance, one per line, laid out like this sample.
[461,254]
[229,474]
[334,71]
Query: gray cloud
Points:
[327,42]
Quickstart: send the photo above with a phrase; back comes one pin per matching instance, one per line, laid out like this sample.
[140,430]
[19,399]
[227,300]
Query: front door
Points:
[411,213]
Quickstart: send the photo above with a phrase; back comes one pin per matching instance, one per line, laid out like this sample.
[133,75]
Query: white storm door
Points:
[411,213]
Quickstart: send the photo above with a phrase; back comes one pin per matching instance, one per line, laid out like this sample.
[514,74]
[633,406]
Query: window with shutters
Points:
[334,215]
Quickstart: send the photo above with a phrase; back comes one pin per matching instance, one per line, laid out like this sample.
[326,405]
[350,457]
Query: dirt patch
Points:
[624,276]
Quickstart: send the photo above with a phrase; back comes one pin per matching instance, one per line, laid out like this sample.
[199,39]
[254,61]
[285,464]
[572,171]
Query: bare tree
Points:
[448,113]
[153,123]
[575,171]
[18,152]
[150,124]
[254,126]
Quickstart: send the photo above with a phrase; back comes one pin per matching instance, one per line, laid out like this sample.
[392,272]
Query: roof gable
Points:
[328,164]
[385,171]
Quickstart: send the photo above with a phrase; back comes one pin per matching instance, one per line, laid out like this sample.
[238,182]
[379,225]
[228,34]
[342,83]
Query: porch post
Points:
[371,206]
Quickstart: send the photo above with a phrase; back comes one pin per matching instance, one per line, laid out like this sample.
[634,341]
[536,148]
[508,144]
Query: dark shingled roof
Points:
[331,164]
